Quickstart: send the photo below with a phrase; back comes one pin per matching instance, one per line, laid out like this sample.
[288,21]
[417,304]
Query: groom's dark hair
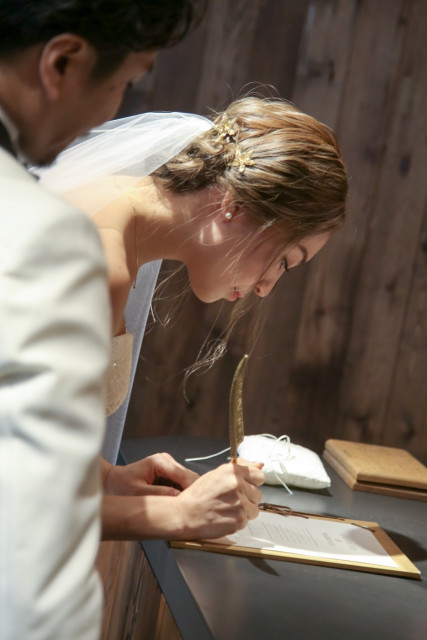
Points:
[114,27]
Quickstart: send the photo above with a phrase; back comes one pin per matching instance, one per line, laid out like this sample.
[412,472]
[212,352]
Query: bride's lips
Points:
[235,295]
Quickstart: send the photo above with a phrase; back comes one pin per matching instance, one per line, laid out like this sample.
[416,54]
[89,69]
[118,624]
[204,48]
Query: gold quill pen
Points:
[237,431]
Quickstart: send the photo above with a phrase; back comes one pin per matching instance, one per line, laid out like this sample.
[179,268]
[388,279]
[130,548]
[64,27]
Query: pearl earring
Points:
[228,215]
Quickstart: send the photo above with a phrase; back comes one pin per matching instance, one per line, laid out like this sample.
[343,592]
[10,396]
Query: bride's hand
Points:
[159,474]
[221,502]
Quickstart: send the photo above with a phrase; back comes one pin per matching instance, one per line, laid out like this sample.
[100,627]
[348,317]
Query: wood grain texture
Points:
[326,327]
[134,606]
[343,349]
[406,411]
[391,248]
[324,50]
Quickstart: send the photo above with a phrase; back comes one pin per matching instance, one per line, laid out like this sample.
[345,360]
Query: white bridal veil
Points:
[133,147]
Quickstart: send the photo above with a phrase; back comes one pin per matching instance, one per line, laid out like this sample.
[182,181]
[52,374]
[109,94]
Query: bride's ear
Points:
[65,65]
[228,209]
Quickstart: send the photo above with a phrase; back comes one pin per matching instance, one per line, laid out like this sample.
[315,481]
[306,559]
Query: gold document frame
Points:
[404,567]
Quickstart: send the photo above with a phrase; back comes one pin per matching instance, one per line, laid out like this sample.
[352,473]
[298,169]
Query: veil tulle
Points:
[133,147]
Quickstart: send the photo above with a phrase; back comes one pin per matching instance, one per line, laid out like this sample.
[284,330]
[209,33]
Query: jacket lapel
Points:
[5,140]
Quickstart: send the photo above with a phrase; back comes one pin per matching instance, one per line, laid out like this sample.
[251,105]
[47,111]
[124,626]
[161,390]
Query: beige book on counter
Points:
[377,469]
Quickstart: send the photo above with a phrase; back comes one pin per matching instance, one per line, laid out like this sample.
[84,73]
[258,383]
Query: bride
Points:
[239,200]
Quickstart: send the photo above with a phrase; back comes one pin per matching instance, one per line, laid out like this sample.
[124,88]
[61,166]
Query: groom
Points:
[64,65]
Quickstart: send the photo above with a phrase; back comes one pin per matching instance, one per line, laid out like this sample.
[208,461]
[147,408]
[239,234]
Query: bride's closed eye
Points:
[284,264]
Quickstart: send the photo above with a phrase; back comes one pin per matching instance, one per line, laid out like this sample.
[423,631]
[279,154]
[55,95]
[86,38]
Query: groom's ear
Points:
[65,65]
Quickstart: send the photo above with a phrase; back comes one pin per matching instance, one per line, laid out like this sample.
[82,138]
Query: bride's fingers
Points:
[167,467]
[157,490]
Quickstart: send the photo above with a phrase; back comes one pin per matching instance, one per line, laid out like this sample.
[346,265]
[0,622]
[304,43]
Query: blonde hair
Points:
[294,181]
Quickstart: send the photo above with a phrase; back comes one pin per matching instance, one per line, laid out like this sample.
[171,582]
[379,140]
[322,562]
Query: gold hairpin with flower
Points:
[243,160]
[225,128]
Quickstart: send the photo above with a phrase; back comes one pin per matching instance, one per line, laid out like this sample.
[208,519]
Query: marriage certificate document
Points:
[309,536]
[311,539]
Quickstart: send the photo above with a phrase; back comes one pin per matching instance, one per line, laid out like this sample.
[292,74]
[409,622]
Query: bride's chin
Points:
[204,298]
[206,294]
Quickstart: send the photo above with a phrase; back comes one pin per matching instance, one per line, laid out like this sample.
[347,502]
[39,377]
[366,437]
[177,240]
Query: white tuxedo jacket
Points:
[54,350]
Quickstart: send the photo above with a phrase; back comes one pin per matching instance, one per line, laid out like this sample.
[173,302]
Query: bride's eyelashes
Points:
[284,264]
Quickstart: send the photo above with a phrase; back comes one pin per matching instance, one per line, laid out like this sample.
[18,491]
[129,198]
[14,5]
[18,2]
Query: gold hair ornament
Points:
[226,131]
[225,128]
[243,160]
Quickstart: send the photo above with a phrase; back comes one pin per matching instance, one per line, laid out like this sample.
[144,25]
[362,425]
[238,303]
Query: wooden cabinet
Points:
[134,606]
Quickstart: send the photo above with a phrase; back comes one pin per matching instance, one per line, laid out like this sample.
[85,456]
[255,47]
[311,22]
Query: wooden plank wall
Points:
[343,350]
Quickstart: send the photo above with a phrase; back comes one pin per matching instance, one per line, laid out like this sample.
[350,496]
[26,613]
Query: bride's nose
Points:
[263,287]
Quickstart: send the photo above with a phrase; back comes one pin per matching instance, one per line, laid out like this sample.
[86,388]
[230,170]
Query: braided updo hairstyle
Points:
[295,181]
